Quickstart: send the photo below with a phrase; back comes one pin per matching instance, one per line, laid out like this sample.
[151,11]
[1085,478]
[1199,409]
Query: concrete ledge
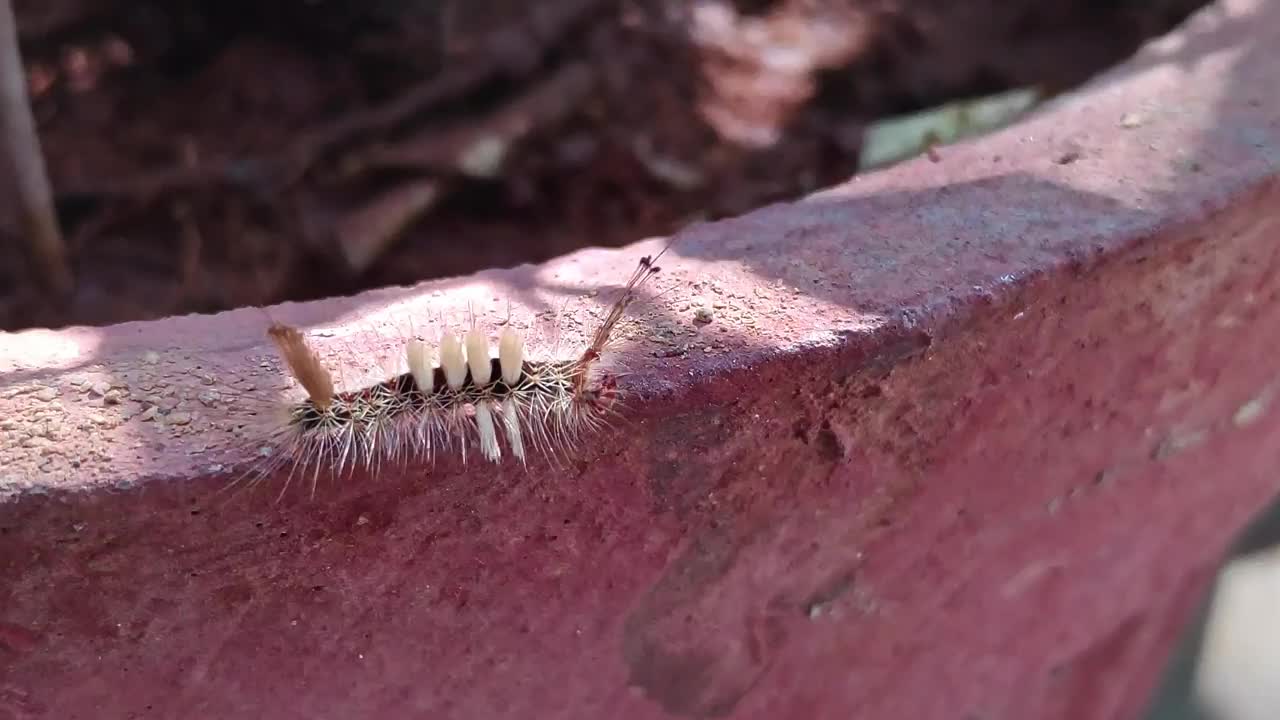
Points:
[963,440]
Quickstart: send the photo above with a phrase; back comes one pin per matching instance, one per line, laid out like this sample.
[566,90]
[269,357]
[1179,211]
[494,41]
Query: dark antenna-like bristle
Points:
[303,364]
[646,269]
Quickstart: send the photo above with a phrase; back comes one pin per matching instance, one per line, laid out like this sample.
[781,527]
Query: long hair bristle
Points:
[303,364]
[645,269]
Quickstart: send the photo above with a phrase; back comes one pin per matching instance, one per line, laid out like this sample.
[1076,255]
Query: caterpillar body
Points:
[457,395]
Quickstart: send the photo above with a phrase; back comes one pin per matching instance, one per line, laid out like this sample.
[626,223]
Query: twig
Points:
[266,176]
[515,52]
[550,22]
[478,148]
[21,145]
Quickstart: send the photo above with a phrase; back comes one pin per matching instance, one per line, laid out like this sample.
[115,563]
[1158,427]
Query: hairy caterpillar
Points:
[455,396]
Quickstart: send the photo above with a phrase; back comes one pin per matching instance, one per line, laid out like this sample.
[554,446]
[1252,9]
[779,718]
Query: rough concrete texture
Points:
[962,440]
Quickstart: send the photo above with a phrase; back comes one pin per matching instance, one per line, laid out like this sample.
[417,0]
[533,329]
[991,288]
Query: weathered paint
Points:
[968,445]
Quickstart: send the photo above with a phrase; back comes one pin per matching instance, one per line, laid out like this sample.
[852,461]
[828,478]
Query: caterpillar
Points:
[456,395]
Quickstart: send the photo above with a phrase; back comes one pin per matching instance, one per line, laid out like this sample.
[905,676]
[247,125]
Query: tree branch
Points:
[21,145]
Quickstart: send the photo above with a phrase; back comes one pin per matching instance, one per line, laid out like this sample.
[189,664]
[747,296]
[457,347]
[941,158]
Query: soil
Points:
[209,154]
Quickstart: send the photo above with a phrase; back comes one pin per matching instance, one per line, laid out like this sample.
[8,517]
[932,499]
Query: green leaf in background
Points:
[900,137]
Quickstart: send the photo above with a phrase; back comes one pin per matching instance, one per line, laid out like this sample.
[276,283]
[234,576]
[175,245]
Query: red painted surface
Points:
[968,441]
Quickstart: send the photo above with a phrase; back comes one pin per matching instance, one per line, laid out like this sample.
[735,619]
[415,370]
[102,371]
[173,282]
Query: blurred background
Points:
[209,154]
